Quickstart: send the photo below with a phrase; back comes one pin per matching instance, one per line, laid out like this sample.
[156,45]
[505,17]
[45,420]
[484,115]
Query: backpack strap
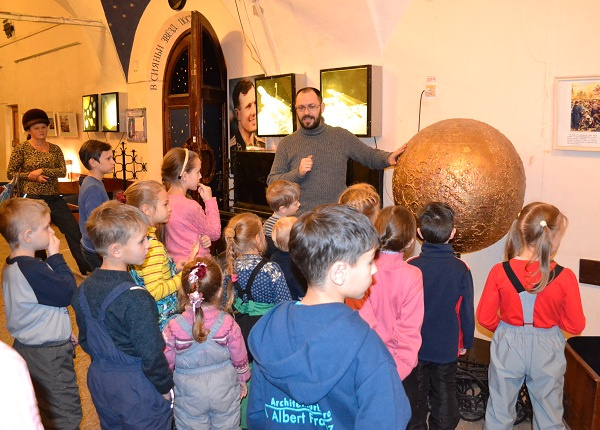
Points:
[248,290]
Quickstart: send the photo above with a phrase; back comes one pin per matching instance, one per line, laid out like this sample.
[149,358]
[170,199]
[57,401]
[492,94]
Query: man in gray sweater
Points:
[316,155]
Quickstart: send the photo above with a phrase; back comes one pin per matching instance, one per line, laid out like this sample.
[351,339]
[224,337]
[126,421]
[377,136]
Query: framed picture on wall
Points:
[67,124]
[90,112]
[577,113]
[136,125]
[352,98]
[275,97]
[51,124]
[242,115]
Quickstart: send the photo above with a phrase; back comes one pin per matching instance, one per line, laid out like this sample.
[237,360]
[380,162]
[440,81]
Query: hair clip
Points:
[543,223]
[234,277]
[195,299]
[197,273]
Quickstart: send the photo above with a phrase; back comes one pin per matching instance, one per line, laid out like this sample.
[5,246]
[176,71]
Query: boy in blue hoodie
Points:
[317,364]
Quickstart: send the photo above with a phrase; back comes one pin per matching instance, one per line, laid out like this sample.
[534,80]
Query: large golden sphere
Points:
[472,167]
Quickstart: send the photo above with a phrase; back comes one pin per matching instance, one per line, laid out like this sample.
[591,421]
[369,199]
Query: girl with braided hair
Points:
[259,284]
[206,351]
[364,198]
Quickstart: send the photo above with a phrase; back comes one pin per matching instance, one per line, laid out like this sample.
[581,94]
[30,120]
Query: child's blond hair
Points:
[281,232]
[364,198]
[282,193]
[114,222]
[17,215]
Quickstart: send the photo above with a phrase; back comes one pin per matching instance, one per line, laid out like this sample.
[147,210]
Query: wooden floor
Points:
[82,360]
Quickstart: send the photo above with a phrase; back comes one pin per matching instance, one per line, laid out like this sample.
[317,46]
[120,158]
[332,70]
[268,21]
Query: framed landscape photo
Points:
[577,113]
[67,124]
[52,124]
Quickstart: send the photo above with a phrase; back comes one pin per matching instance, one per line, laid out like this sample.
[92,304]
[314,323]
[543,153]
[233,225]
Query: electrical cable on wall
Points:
[253,52]
[420,102]
[252,32]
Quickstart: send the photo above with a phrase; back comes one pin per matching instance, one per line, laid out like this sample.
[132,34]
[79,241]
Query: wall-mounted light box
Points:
[352,97]
[90,112]
[275,100]
[113,107]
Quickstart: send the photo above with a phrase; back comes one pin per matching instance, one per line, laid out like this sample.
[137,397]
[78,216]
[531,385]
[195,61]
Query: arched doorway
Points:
[195,98]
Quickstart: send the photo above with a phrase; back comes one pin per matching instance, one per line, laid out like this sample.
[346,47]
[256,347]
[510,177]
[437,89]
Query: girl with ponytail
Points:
[526,302]
[205,348]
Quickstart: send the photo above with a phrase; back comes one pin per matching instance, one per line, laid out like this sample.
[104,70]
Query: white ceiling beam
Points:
[51,19]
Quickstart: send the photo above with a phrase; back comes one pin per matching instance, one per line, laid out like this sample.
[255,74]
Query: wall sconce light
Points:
[9,28]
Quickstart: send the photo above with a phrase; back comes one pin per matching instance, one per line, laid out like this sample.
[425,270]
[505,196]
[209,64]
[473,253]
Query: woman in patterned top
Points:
[39,164]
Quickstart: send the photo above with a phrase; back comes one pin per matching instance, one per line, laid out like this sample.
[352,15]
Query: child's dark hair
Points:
[397,228]
[92,150]
[436,221]
[240,237]
[328,234]
[175,162]
[282,193]
[540,226]
[201,282]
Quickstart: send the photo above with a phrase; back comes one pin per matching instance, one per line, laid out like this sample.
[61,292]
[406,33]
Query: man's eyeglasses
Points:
[301,109]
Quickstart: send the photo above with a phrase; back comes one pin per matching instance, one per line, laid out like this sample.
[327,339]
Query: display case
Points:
[352,97]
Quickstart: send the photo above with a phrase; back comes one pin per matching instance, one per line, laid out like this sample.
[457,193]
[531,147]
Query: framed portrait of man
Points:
[242,115]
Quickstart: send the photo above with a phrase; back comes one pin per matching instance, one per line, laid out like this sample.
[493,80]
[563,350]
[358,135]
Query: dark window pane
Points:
[212,75]
[180,77]
[180,126]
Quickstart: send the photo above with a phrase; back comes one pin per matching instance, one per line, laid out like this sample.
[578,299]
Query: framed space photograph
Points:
[577,113]
[352,98]
[109,111]
[275,98]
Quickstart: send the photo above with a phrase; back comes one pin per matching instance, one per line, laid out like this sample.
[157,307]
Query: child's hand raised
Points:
[53,244]
[243,390]
[204,191]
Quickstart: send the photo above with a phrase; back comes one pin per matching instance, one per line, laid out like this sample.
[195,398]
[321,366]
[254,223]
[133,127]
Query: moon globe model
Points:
[472,167]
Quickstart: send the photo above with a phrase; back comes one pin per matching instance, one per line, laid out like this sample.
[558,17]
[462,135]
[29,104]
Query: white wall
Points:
[494,61]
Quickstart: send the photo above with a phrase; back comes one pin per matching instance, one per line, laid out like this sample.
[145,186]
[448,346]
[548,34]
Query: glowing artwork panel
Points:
[352,98]
[90,112]
[275,97]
